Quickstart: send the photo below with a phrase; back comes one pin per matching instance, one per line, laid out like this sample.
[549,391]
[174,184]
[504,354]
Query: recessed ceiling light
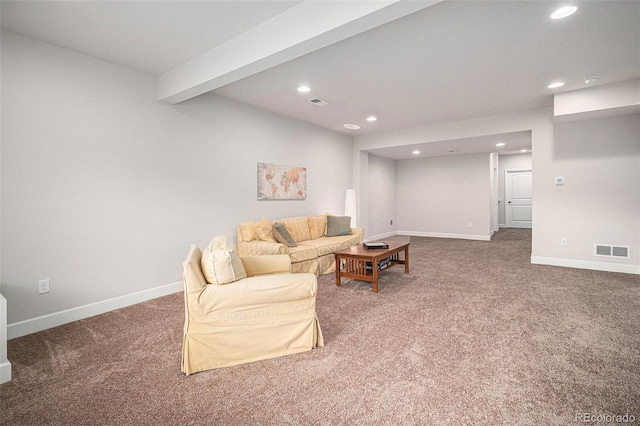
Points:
[555,85]
[500,144]
[304,89]
[591,79]
[371,118]
[351,126]
[416,152]
[564,11]
[524,150]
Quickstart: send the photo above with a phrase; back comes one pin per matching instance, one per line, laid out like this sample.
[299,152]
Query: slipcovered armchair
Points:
[269,313]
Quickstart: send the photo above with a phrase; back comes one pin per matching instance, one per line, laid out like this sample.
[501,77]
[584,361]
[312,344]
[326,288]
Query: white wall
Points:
[604,175]
[5,365]
[538,120]
[600,200]
[493,199]
[103,188]
[382,198]
[509,162]
[0,155]
[604,101]
[441,196]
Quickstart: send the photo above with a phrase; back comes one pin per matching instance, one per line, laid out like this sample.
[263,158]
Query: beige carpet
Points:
[474,335]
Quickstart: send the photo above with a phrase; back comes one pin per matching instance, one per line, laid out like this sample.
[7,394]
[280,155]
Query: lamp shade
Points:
[350,206]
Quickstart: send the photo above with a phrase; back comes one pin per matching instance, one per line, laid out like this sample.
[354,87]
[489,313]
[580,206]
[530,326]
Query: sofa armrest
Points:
[359,232]
[259,248]
[268,264]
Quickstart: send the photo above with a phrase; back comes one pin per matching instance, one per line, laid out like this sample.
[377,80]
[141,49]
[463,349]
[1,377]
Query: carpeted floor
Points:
[474,335]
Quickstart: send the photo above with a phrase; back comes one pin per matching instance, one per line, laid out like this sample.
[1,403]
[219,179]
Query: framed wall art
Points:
[276,182]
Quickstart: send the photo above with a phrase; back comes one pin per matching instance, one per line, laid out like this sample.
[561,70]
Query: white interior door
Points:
[518,190]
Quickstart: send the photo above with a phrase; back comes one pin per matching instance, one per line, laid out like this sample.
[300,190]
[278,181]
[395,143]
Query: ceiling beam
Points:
[304,28]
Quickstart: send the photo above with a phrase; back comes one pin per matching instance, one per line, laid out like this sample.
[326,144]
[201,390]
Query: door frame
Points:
[507,191]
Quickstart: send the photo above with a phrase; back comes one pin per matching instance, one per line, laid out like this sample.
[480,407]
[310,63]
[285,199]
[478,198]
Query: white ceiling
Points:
[513,144]
[149,36]
[450,61]
[453,61]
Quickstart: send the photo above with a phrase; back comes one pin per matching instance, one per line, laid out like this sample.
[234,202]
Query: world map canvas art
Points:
[277,182]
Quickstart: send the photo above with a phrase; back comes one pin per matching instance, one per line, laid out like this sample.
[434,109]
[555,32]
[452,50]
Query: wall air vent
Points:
[318,101]
[608,250]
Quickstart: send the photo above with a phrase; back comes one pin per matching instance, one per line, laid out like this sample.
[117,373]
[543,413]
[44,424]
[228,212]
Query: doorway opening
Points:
[518,198]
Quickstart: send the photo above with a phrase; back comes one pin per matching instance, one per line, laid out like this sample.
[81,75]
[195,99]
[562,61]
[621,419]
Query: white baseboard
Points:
[586,264]
[380,236]
[444,235]
[5,365]
[5,372]
[34,325]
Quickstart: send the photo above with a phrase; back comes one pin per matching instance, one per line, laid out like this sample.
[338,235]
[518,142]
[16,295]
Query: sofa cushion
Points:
[266,264]
[220,263]
[264,229]
[282,236]
[302,253]
[298,228]
[248,231]
[338,225]
[318,226]
[327,245]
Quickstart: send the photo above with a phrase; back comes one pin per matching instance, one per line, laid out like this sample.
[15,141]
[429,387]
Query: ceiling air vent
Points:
[318,101]
[608,250]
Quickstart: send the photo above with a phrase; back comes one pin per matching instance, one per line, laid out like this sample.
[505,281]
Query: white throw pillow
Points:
[220,262]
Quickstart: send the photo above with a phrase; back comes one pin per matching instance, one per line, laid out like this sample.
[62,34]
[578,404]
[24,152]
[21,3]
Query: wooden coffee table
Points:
[356,258]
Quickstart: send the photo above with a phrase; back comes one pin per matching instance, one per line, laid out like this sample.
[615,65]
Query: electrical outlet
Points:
[469,224]
[563,242]
[43,286]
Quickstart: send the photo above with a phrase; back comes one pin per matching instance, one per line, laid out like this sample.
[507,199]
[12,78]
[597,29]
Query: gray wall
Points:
[600,200]
[538,120]
[382,198]
[443,195]
[598,204]
[430,196]
[104,188]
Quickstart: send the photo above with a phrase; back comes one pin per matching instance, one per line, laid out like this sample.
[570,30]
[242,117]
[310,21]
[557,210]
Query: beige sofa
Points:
[269,313]
[313,236]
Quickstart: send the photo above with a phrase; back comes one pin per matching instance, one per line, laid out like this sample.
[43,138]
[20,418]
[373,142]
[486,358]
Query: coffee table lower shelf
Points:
[353,262]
